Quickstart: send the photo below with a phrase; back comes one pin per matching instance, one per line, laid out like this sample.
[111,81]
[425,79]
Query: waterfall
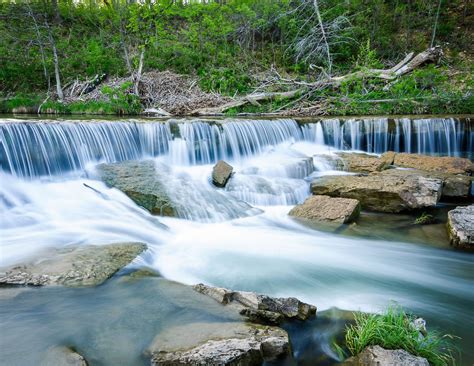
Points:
[50,148]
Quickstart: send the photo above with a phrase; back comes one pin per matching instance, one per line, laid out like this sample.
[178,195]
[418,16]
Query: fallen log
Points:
[405,66]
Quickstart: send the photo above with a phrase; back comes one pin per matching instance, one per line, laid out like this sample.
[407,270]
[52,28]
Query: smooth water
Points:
[49,197]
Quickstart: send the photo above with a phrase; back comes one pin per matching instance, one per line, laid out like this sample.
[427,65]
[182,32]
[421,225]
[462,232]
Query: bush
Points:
[394,329]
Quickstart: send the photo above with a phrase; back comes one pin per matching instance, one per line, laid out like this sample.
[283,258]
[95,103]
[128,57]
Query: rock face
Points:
[85,265]
[461,227]
[325,208]
[139,180]
[364,163]
[62,356]
[221,173]
[446,164]
[378,356]
[392,190]
[219,344]
[259,307]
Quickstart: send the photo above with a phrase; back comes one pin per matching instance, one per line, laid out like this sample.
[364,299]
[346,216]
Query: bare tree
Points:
[436,23]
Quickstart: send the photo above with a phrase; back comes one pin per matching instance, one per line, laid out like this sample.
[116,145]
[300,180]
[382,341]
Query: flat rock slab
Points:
[324,208]
[461,227]
[226,343]
[392,190]
[378,356]
[221,173]
[259,308]
[74,266]
[364,163]
[443,164]
[142,182]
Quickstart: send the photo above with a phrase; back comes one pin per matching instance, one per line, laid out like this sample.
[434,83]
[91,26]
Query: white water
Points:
[220,240]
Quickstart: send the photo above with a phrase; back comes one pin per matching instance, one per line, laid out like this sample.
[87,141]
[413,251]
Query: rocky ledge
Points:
[142,182]
[63,356]
[73,266]
[226,343]
[259,308]
[392,190]
[378,356]
[461,227]
[325,208]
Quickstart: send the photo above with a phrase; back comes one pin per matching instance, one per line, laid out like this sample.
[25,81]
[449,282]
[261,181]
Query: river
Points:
[240,237]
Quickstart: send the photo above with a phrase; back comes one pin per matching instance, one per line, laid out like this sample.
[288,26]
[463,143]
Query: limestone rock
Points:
[225,343]
[288,307]
[461,227]
[443,164]
[378,356]
[325,208]
[392,190]
[363,163]
[62,356]
[140,181]
[84,265]
[221,173]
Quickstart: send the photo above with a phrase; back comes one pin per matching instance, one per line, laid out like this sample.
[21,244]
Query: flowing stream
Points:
[239,237]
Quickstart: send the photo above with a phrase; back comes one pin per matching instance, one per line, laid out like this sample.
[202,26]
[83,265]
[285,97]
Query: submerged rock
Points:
[288,307]
[140,181]
[392,190]
[325,208]
[63,356]
[84,265]
[221,173]
[461,227]
[378,356]
[443,164]
[228,343]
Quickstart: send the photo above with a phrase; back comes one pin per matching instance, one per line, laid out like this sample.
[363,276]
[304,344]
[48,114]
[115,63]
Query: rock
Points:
[443,164]
[456,186]
[388,157]
[262,316]
[461,227]
[221,173]
[378,356]
[62,356]
[392,190]
[325,208]
[228,343]
[73,266]
[156,112]
[140,181]
[289,307]
[362,163]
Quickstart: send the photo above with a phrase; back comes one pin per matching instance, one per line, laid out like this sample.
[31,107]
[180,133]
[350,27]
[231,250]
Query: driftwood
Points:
[405,66]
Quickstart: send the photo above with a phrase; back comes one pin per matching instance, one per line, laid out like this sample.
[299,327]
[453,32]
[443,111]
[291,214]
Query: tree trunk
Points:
[139,71]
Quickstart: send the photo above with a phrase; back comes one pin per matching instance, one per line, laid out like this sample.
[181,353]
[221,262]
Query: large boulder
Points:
[221,173]
[364,163]
[392,190]
[227,343]
[62,356]
[378,356]
[461,227]
[73,266]
[142,182]
[443,164]
[325,208]
[259,307]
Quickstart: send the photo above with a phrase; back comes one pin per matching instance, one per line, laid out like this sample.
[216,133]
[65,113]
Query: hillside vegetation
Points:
[51,49]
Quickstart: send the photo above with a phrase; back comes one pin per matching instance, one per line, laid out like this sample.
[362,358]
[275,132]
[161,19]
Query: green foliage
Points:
[122,100]
[424,219]
[394,329]
[226,43]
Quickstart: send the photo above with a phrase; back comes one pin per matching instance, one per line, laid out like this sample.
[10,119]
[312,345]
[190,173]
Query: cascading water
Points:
[48,198]
[38,149]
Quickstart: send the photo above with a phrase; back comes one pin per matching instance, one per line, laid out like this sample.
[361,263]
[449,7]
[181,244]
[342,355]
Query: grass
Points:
[394,329]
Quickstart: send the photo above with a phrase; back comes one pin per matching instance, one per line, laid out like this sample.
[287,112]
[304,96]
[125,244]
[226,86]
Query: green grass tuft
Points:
[393,329]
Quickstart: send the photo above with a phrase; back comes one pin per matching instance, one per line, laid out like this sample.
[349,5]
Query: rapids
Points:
[50,197]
